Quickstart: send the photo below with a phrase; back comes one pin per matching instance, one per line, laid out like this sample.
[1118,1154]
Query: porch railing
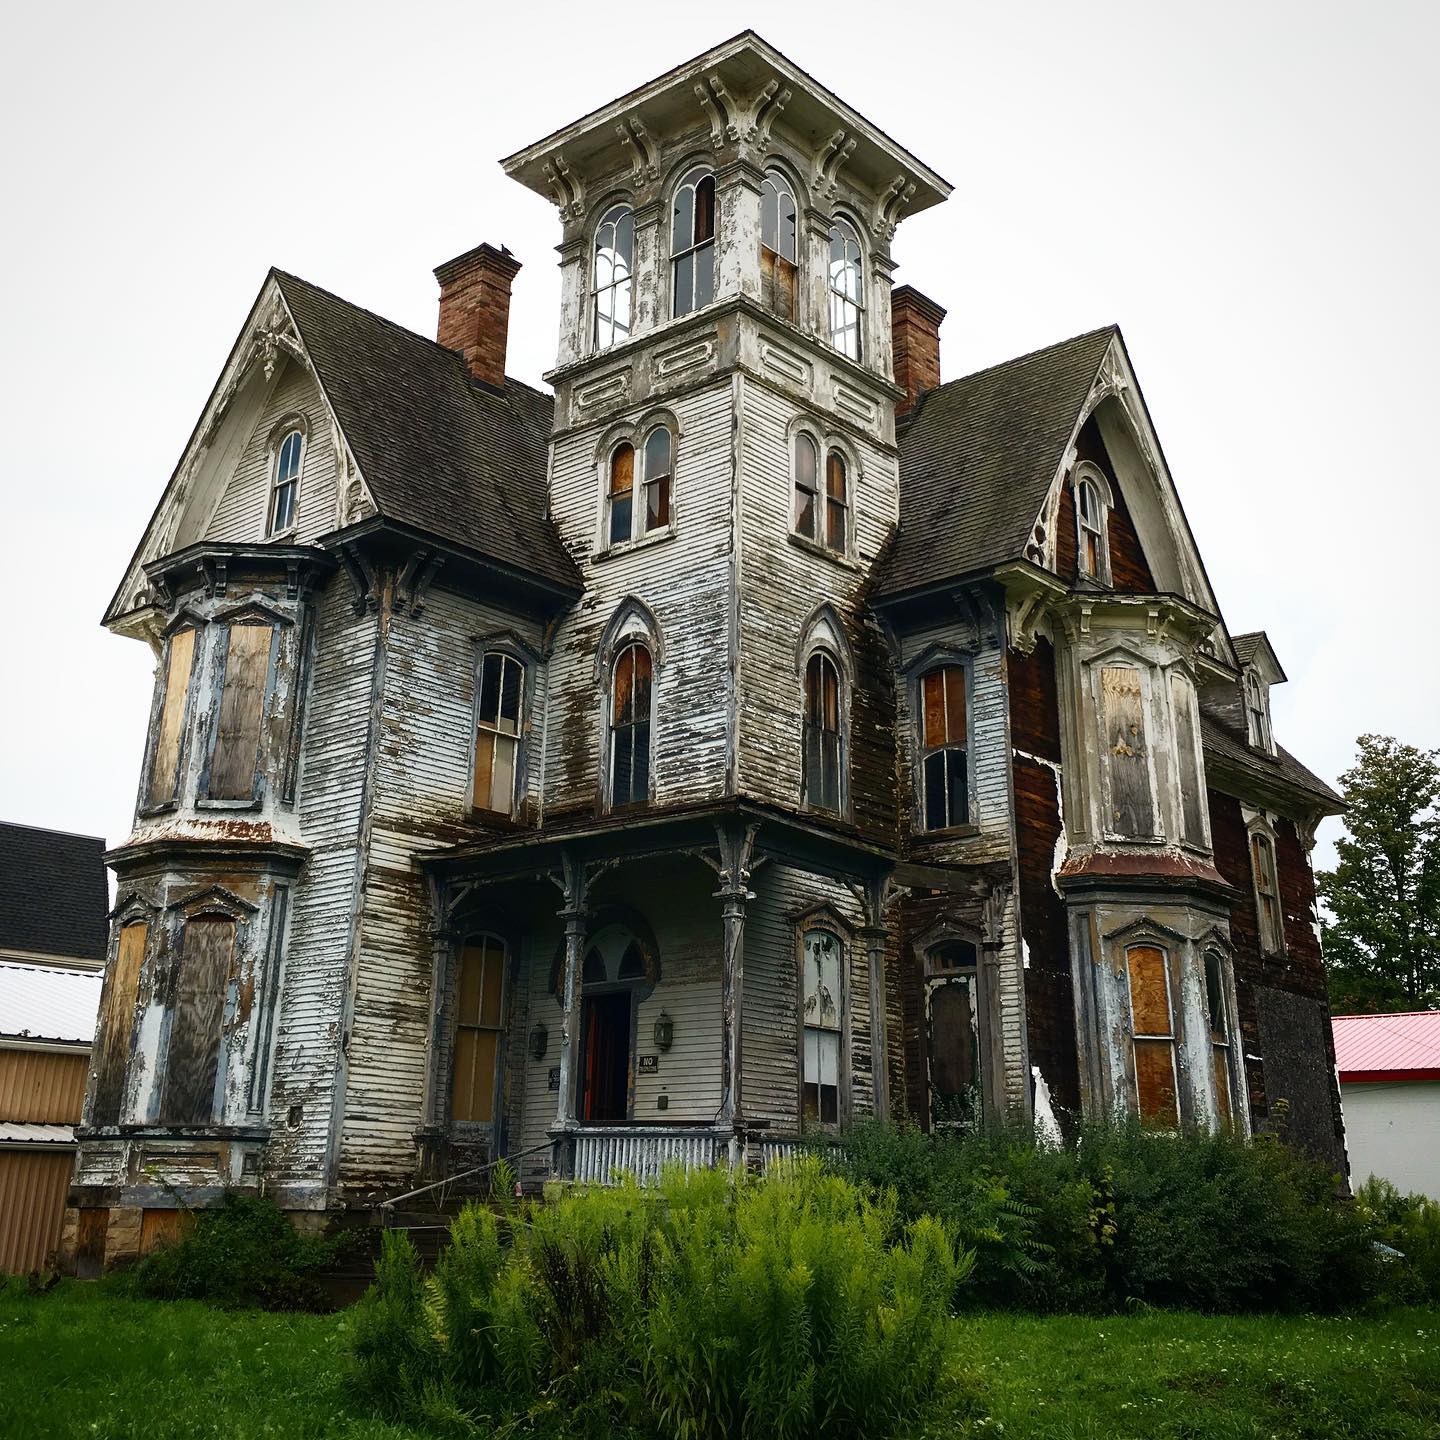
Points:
[643,1152]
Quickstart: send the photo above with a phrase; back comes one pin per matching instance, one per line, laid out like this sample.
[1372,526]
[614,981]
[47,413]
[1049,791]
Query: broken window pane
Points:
[836,501]
[1267,894]
[657,479]
[954,1051]
[497,729]
[622,493]
[822,957]
[692,242]
[807,468]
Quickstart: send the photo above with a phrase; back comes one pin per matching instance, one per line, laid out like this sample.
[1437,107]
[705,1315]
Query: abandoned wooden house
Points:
[751,735]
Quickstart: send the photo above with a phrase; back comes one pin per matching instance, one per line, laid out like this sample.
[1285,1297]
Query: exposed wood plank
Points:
[237,731]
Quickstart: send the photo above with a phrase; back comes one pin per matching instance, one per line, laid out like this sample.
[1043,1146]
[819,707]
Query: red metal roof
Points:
[1388,1047]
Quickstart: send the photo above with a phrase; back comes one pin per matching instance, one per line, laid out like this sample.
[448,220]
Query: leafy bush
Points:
[245,1254]
[787,1306]
[1409,1224]
[1123,1215]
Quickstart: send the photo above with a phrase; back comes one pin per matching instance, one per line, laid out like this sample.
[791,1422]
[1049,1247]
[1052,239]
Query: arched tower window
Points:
[777,245]
[693,218]
[285,483]
[621,496]
[630,710]
[847,289]
[824,740]
[1091,524]
[614,261]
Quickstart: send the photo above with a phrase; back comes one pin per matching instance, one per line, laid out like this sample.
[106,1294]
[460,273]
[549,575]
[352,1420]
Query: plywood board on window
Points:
[192,1062]
[117,1019]
[237,730]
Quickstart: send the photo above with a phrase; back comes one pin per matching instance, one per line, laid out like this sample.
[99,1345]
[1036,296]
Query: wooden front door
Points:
[605,1073]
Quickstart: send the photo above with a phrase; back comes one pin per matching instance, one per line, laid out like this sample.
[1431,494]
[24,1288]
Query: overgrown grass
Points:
[85,1361]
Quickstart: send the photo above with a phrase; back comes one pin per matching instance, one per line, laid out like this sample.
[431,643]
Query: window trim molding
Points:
[1087,472]
[512,647]
[616,200]
[1259,823]
[823,917]
[913,673]
[289,424]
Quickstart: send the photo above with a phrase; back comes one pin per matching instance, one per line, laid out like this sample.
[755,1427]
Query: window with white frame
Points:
[1130,797]
[629,516]
[1267,893]
[807,485]
[777,245]
[497,732]
[824,740]
[823,999]
[1257,711]
[285,483]
[693,220]
[620,496]
[479,1001]
[1152,1026]
[1092,524]
[944,748]
[611,278]
[846,289]
[658,453]
[1217,1007]
[630,712]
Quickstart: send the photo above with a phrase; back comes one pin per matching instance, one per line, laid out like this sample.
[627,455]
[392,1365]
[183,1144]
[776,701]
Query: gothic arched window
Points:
[611,278]
[847,289]
[824,740]
[693,218]
[285,483]
[630,725]
[1092,530]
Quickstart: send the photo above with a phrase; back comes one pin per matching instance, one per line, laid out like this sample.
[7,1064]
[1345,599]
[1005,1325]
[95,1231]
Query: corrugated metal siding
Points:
[32,1205]
[43,1085]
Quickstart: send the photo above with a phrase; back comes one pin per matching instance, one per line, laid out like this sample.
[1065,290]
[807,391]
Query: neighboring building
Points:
[52,948]
[754,735]
[1389,1067]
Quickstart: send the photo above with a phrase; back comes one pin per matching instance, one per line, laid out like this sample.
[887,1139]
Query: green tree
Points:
[1382,940]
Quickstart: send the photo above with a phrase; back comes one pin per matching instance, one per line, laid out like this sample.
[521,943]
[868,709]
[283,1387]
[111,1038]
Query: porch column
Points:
[875,935]
[736,847]
[576,917]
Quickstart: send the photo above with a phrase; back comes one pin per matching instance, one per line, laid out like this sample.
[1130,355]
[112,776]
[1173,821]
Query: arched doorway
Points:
[617,972]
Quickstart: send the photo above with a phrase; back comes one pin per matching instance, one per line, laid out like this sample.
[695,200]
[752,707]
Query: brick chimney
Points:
[915,337]
[475,309]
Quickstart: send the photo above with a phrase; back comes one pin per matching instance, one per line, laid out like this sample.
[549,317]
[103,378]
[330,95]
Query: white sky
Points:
[1248,189]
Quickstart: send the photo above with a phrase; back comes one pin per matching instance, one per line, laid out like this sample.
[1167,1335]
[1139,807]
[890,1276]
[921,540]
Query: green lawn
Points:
[83,1361]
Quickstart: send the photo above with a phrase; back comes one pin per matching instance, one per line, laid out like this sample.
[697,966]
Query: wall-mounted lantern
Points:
[664,1031]
[539,1040]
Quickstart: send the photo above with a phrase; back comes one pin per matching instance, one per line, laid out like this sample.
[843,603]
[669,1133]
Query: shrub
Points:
[792,1305]
[245,1254]
[1409,1224]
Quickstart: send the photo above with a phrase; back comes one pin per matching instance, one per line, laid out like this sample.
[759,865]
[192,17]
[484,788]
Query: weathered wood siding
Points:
[243,509]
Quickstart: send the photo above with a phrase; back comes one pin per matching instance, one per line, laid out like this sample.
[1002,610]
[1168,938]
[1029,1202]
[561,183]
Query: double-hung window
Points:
[944,757]
[825,519]
[1152,1016]
[478,1012]
[822,960]
[497,732]
[847,289]
[1267,893]
[628,516]
[777,245]
[285,483]
[658,466]
[692,242]
[614,259]
[1090,523]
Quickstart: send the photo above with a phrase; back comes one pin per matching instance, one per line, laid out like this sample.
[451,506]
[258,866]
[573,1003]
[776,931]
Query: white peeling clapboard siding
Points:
[318,948]
[684,580]
[243,511]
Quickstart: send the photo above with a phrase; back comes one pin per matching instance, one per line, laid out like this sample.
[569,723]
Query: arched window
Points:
[1152,1017]
[479,999]
[823,997]
[1090,511]
[823,739]
[1257,711]
[777,245]
[807,484]
[630,726]
[952,1006]
[614,260]
[847,289]
[1267,893]
[658,472]
[285,483]
[1218,1008]
[837,503]
[620,498]
[497,732]
[944,754]
[692,242]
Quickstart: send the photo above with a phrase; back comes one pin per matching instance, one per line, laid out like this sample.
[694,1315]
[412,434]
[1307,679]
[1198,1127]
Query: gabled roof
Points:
[438,450]
[1256,646]
[1282,767]
[1388,1047]
[48,1002]
[53,894]
[977,460]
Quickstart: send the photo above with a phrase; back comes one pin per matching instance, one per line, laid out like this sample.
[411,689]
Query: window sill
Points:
[230,805]
[628,547]
[948,832]
[824,552]
[154,812]
[288,536]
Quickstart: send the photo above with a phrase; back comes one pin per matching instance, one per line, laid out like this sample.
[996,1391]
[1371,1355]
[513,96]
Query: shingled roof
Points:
[977,458]
[53,893]
[1222,743]
[439,452]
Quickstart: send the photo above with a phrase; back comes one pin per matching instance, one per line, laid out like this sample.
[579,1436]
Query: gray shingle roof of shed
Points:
[439,452]
[53,893]
[977,459]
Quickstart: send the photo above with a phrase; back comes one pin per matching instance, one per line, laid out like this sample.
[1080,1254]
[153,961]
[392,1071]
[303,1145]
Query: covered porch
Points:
[698,989]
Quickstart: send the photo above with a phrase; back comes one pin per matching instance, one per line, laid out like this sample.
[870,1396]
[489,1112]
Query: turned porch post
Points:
[875,935]
[736,847]
[576,917]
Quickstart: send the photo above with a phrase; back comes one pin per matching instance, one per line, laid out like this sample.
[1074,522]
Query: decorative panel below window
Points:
[196,1016]
[236,752]
[480,994]
[1154,1036]
[822,962]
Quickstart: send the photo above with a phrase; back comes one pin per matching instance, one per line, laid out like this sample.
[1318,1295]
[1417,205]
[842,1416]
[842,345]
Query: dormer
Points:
[732,181]
[1259,670]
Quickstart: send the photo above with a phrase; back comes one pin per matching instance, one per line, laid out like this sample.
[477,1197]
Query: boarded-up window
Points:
[822,734]
[630,727]
[1187,761]
[117,1020]
[197,1014]
[497,733]
[1218,1007]
[1153,1028]
[1267,894]
[944,756]
[822,962]
[1132,805]
[242,706]
[477,1029]
[622,494]
[170,731]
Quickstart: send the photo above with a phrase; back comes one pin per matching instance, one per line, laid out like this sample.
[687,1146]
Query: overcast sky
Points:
[1248,189]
